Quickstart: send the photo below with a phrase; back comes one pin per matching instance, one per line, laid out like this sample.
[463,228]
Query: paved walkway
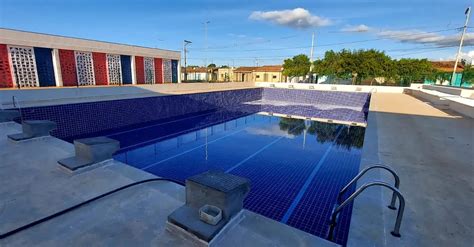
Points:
[432,151]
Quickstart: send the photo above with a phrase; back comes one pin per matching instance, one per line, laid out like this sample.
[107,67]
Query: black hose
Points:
[37,222]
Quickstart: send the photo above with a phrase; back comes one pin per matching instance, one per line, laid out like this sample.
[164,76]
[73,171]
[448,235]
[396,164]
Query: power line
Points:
[325,45]
[321,54]
[404,54]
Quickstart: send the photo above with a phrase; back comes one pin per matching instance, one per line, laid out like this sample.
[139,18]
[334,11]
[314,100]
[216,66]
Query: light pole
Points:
[311,59]
[205,47]
[186,42]
[467,13]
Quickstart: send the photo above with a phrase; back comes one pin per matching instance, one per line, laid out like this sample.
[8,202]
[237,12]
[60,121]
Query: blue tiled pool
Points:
[296,167]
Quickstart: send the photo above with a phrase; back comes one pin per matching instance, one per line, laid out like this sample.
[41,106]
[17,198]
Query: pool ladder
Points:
[396,193]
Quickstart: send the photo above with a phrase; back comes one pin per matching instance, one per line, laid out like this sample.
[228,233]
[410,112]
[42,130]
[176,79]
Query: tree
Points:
[468,74]
[356,65]
[212,65]
[410,70]
[296,66]
[360,65]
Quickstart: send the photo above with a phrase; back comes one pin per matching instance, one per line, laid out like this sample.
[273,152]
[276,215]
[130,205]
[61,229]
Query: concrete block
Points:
[8,115]
[34,129]
[223,190]
[216,188]
[188,219]
[90,151]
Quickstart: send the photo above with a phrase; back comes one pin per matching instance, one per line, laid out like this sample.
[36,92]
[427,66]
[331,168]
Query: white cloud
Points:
[357,29]
[294,18]
[468,56]
[421,37]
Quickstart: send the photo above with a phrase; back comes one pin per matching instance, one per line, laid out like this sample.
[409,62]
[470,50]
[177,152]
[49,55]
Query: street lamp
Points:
[467,13]
[205,42]
[186,42]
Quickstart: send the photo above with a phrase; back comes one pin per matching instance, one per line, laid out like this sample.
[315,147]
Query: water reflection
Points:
[292,126]
[351,137]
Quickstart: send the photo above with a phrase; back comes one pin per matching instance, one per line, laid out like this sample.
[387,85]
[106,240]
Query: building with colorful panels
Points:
[41,60]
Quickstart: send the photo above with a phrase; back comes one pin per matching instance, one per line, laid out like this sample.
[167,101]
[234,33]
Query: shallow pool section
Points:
[296,167]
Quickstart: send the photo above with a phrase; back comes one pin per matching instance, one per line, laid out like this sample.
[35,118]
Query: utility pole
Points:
[205,48]
[311,59]
[186,42]
[467,13]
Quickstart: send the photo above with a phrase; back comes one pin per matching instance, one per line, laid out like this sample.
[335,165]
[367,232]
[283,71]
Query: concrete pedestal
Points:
[215,188]
[90,151]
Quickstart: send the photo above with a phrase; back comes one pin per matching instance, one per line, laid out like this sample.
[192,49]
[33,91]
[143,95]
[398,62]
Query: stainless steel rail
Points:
[337,208]
[16,105]
[361,173]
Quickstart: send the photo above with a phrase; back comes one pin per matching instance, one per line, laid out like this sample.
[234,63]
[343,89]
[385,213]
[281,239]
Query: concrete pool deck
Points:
[32,186]
[432,152]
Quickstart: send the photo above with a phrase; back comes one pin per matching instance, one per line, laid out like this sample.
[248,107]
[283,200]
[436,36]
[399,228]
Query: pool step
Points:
[8,115]
[33,129]
[90,151]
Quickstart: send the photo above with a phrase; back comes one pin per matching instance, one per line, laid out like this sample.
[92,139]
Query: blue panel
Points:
[44,67]
[126,69]
[174,71]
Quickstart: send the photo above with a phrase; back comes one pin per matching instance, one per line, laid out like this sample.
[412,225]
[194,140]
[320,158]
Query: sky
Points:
[249,33]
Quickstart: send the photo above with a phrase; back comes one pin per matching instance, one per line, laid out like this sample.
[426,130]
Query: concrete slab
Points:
[432,151]
[33,186]
[256,230]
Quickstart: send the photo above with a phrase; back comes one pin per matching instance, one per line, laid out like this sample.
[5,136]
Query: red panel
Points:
[100,68]
[6,79]
[159,70]
[67,61]
[140,70]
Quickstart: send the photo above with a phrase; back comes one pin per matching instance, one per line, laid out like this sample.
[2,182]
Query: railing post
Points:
[337,209]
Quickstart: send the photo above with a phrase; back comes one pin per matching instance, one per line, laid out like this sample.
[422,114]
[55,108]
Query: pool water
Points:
[296,167]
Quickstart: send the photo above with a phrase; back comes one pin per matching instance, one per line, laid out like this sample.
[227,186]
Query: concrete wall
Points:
[54,96]
[329,87]
[463,92]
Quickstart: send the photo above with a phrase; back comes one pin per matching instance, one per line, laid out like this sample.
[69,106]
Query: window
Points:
[258,76]
[274,77]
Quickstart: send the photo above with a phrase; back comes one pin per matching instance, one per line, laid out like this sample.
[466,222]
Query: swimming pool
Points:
[297,164]
[296,167]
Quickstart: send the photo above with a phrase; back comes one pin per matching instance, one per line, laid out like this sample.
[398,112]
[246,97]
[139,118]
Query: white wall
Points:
[329,87]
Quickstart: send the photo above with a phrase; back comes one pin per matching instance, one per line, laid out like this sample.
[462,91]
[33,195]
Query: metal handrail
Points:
[337,210]
[361,173]
[16,105]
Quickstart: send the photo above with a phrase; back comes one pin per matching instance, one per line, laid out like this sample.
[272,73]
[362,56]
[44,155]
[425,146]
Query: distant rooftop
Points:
[447,66]
[265,68]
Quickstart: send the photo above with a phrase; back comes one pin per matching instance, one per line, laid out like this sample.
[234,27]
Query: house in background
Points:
[195,73]
[225,74]
[244,74]
[444,73]
[269,73]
